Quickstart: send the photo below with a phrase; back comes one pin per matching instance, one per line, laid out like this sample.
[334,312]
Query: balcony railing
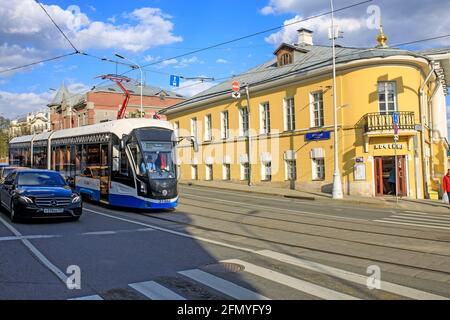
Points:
[383,121]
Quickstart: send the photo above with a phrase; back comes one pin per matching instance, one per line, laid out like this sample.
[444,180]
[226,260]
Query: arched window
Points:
[286,58]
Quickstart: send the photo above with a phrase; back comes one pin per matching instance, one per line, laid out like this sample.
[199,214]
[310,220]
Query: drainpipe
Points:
[422,135]
[432,130]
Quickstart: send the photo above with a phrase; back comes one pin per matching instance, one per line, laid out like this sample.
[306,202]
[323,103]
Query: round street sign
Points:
[235,86]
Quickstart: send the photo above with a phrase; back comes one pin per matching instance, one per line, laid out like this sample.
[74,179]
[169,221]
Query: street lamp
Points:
[337,184]
[134,67]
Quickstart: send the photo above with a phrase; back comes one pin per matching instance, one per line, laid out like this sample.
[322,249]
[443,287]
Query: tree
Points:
[4,137]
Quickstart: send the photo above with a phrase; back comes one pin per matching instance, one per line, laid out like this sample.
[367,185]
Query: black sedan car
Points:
[32,193]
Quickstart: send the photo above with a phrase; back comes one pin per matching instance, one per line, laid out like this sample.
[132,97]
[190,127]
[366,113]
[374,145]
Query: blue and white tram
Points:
[128,162]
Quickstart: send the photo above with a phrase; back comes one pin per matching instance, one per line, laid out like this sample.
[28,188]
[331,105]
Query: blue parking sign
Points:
[174,81]
[395,117]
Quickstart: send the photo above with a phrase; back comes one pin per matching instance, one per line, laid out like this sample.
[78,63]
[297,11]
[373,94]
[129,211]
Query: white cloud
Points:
[399,21]
[190,88]
[13,104]
[77,87]
[222,61]
[177,64]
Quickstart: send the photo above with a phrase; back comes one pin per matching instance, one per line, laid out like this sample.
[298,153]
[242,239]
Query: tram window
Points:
[124,174]
[93,154]
[140,165]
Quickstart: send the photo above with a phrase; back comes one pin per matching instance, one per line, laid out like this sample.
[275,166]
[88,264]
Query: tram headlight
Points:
[142,187]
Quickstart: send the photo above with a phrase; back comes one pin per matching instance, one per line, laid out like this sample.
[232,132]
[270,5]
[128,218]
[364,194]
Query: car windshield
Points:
[158,160]
[48,179]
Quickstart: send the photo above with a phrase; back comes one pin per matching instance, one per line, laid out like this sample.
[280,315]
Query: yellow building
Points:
[286,108]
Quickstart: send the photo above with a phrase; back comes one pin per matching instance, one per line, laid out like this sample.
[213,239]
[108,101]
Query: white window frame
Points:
[209,172]
[264,168]
[242,133]
[385,92]
[318,121]
[264,118]
[289,122]
[317,168]
[224,125]
[226,167]
[194,172]
[208,128]
[287,169]
[194,127]
[244,168]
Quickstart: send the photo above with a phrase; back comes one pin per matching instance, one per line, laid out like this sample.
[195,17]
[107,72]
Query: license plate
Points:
[53,210]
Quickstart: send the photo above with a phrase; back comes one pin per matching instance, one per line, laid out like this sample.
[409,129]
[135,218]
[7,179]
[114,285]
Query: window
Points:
[176,128]
[266,168]
[244,125]
[289,111]
[194,172]
[209,172]
[317,109]
[224,126]
[244,171]
[265,118]
[226,171]
[318,169]
[285,59]
[291,170]
[208,128]
[387,96]
[194,128]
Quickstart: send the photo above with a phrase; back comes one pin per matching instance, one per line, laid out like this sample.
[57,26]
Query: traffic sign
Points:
[395,117]
[395,128]
[235,86]
[236,95]
[395,137]
[174,81]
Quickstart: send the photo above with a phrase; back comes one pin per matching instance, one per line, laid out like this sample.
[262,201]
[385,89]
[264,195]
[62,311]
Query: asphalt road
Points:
[230,245]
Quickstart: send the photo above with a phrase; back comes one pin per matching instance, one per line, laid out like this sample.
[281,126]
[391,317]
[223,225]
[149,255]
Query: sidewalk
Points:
[435,206]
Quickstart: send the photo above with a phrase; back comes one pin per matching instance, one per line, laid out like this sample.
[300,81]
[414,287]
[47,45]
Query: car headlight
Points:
[26,199]
[76,198]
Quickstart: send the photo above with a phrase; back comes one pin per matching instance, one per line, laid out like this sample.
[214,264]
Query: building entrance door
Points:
[387,178]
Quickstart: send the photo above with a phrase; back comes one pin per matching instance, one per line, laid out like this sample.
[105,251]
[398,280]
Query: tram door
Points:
[387,179]
[104,173]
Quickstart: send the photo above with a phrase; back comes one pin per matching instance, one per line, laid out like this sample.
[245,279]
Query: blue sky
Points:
[146,31]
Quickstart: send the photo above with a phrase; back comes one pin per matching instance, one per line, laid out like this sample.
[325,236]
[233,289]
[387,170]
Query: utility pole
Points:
[337,184]
[249,145]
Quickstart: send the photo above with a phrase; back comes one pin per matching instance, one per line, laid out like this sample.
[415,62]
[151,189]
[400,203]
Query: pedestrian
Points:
[446,185]
[392,181]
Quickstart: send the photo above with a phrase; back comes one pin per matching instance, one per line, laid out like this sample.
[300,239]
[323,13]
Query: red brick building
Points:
[70,110]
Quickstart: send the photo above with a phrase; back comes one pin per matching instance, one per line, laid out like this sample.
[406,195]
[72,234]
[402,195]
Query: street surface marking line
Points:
[29,237]
[282,209]
[224,286]
[93,297]
[61,275]
[298,284]
[424,216]
[223,244]
[437,221]
[155,291]
[350,276]
[280,197]
[411,224]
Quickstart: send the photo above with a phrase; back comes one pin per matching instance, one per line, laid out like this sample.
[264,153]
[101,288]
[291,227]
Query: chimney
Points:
[305,37]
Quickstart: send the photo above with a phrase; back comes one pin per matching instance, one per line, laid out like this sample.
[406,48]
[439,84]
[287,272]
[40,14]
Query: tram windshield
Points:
[157,160]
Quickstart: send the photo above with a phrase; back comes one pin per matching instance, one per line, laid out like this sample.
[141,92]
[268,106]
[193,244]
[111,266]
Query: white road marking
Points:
[61,275]
[425,213]
[31,237]
[446,218]
[98,233]
[221,285]
[436,221]
[93,297]
[155,291]
[411,224]
[298,284]
[350,276]
[282,209]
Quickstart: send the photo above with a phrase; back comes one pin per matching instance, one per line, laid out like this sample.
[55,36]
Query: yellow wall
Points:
[357,96]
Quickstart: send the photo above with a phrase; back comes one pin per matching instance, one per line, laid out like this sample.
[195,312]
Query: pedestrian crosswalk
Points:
[418,219]
[234,288]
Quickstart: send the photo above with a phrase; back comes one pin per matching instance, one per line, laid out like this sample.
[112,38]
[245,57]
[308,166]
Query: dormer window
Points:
[285,58]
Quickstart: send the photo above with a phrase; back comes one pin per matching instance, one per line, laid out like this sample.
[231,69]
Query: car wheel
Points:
[12,213]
